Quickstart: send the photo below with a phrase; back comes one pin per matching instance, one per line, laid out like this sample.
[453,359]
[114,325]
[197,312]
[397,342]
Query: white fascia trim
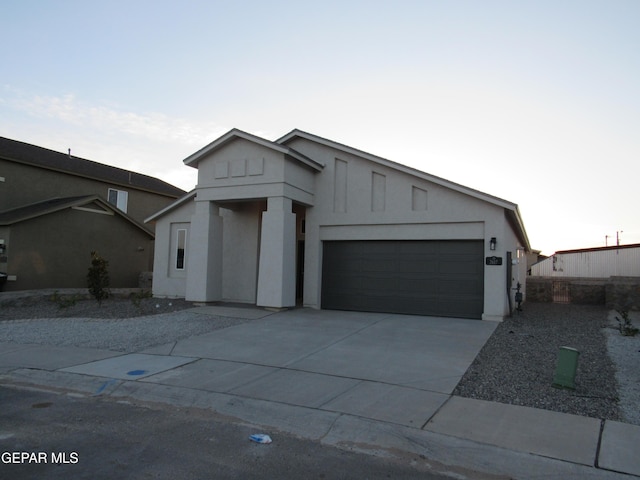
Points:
[510,206]
[171,206]
[527,243]
[93,210]
[400,167]
[192,160]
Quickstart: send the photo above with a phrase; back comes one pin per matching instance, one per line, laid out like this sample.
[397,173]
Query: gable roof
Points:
[396,166]
[234,134]
[25,153]
[598,249]
[46,207]
[512,212]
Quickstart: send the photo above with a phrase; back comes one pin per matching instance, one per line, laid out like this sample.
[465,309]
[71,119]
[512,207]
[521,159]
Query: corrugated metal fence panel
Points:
[543,268]
[594,264]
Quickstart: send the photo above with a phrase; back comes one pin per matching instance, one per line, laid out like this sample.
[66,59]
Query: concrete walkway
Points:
[378,383]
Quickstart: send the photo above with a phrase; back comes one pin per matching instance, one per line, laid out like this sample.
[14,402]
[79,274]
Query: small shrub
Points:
[98,277]
[624,324]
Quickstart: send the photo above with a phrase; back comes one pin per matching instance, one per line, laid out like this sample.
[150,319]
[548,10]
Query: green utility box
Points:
[566,368]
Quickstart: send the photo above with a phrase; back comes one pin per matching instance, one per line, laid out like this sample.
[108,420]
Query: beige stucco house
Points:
[306,220]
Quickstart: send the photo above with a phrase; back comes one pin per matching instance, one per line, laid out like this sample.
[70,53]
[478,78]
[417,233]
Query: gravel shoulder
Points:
[516,365]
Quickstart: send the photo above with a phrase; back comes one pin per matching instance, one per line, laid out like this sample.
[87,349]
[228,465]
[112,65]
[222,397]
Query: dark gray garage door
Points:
[444,278]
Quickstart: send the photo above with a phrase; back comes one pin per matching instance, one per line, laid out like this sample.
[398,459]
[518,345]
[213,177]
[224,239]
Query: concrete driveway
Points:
[361,380]
[394,368]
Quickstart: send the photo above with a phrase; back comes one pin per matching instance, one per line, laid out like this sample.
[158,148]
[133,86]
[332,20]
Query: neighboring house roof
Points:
[234,134]
[172,205]
[511,209]
[13,150]
[84,202]
[599,249]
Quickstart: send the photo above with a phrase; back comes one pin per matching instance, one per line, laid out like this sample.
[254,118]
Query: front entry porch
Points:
[245,251]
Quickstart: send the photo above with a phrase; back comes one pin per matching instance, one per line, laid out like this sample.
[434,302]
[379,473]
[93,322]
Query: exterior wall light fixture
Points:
[492,243]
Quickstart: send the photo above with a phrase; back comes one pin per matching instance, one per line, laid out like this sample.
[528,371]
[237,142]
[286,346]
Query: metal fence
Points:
[561,292]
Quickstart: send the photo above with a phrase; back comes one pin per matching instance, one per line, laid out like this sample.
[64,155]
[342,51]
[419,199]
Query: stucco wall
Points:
[241,235]
[54,251]
[25,184]
[352,198]
[358,200]
[238,178]
[167,281]
[242,170]
[241,241]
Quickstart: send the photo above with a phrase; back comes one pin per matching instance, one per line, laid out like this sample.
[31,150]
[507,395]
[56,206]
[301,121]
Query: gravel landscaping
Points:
[516,366]
[625,354]
[120,324]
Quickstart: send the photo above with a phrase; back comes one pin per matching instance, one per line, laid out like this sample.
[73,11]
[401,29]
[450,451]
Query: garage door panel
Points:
[461,247]
[443,278]
[417,266]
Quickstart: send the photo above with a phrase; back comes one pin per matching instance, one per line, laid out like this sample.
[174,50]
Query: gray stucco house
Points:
[306,220]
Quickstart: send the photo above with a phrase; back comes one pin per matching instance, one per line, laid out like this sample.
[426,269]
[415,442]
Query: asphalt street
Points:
[49,436]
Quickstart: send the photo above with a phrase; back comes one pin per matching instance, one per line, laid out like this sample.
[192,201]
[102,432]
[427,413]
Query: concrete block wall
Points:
[614,292]
[587,292]
[623,293]
[539,289]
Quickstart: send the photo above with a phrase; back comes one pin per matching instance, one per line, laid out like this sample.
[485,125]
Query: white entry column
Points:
[277,268]
[204,265]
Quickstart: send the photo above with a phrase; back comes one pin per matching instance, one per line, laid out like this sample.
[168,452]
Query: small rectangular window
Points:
[181,245]
[118,198]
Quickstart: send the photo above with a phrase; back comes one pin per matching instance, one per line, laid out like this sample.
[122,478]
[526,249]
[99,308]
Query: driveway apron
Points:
[394,368]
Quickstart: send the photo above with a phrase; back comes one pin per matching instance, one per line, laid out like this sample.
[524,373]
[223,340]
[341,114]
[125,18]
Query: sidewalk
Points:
[304,394]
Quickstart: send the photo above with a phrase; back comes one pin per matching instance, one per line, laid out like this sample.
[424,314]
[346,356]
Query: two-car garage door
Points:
[431,277]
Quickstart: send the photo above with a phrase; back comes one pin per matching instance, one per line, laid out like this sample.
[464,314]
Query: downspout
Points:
[509,275]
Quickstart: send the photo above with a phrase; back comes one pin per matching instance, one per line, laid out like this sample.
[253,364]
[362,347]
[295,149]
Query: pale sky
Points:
[536,102]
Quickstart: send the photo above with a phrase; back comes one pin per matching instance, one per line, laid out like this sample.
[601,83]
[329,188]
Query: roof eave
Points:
[598,249]
[98,178]
[515,219]
[188,196]
[77,203]
[192,160]
[511,209]
[82,200]
[400,167]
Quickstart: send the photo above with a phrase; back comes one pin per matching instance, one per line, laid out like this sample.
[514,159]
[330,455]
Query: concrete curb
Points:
[443,452]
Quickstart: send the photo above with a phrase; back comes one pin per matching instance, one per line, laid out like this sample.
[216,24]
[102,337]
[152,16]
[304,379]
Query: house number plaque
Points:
[494,261]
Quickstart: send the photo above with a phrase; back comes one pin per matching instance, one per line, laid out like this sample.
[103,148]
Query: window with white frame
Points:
[118,198]
[181,245]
